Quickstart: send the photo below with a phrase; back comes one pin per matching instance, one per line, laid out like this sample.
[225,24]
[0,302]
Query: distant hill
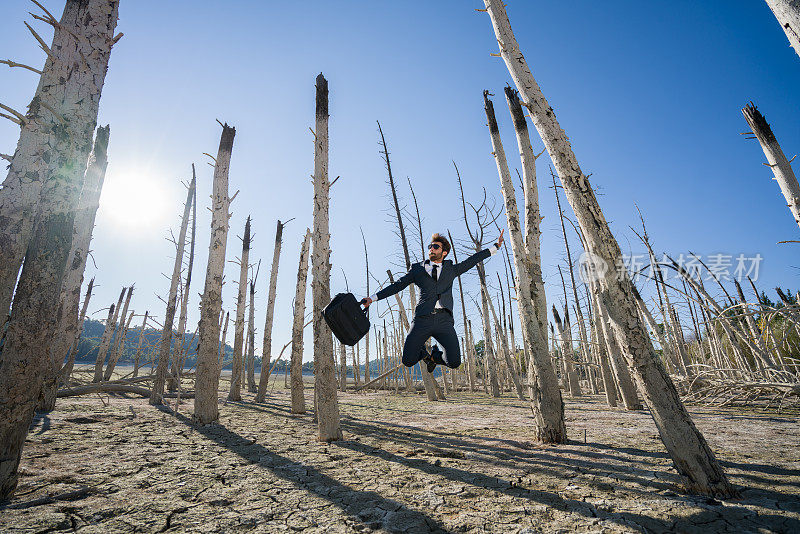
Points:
[93,331]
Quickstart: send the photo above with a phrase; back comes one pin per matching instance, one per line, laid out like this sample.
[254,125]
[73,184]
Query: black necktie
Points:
[433,274]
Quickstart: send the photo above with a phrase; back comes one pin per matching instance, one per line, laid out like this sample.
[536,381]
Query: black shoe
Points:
[428,359]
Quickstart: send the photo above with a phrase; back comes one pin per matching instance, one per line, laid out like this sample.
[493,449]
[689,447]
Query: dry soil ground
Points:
[467,464]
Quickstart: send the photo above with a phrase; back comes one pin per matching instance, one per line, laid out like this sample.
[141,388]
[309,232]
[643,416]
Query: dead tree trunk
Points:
[165,344]
[30,331]
[690,453]
[468,357]
[235,393]
[67,322]
[138,357]
[178,355]
[324,364]
[427,379]
[546,402]
[120,338]
[296,359]
[251,340]
[584,357]
[366,339]
[567,353]
[343,367]
[105,340]
[781,167]
[503,346]
[788,14]
[208,368]
[223,339]
[266,349]
[73,350]
[56,132]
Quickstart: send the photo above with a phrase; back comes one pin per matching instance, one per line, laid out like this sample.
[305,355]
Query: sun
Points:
[134,202]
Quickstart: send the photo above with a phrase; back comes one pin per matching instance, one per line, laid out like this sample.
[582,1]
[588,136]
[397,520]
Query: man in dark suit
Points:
[433,316]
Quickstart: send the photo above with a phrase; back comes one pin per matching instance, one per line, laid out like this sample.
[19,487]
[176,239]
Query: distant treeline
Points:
[93,331]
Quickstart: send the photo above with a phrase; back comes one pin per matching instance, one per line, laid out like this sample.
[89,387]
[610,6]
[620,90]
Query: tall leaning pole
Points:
[691,455]
[207,381]
[324,363]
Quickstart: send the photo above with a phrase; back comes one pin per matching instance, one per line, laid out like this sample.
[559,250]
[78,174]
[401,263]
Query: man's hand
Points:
[500,239]
[366,301]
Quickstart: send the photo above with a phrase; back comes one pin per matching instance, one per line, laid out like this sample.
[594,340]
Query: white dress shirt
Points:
[428,264]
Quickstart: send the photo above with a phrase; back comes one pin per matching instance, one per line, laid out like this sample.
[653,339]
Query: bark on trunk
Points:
[235,393]
[165,345]
[781,168]
[105,340]
[120,337]
[788,14]
[266,349]
[68,320]
[546,402]
[296,359]
[56,134]
[324,364]
[690,453]
[207,380]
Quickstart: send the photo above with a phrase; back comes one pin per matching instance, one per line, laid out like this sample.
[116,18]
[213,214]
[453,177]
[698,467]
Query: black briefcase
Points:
[346,319]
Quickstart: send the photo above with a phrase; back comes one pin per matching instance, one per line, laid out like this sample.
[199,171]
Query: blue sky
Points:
[649,94]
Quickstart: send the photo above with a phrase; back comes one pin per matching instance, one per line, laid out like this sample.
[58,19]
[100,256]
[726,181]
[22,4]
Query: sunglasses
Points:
[434,246]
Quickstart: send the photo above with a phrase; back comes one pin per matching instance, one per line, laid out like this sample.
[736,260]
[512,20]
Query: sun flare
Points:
[134,201]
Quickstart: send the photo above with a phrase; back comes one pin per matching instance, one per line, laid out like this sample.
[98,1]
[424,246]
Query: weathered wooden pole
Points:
[266,348]
[324,365]
[690,453]
[296,358]
[165,345]
[208,368]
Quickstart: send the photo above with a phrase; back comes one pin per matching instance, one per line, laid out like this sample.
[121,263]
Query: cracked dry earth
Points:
[467,464]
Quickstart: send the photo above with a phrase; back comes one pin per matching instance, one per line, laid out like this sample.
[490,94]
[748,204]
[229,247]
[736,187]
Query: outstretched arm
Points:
[389,290]
[478,257]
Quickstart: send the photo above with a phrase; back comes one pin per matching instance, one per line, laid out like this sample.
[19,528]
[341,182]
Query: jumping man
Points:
[433,316]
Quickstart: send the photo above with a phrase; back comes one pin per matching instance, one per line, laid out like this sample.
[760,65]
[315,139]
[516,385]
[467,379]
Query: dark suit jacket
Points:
[430,290]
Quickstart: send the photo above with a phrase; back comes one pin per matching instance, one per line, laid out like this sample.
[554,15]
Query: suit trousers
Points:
[441,327]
